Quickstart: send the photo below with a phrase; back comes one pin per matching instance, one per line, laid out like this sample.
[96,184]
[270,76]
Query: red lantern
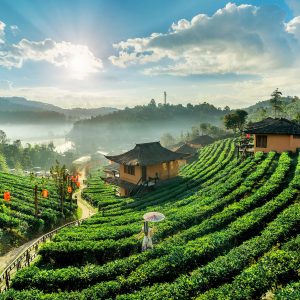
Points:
[78,184]
[248,135]
[6,196]
[45,193]
[73,179]
[69,190]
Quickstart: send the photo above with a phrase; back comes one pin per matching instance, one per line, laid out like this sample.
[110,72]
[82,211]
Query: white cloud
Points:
[293,27]
[14,29]
[78,59]
[236,39]
[2,28]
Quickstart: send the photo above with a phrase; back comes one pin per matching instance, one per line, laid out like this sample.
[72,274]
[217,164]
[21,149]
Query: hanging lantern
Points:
[78,184]
[45,193]
[6,196]
[69,190]
[248,135]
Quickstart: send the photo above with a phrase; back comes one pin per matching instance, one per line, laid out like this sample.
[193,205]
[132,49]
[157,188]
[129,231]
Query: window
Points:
[164,166]
[129,170]
[261,141]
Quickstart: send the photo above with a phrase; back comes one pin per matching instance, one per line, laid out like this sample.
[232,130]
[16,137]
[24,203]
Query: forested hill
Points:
[159,112]
[290,107]
[21,110]
[141,124]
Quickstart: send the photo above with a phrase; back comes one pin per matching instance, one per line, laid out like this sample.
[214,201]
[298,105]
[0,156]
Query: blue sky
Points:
[125,52]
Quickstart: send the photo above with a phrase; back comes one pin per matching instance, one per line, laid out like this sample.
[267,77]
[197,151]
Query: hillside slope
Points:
[230,233]
[17,216]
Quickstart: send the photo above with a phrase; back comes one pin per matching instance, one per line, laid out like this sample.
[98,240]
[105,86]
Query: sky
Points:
[94,53]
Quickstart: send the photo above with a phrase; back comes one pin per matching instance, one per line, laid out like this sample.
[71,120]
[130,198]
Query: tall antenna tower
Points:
[165,98]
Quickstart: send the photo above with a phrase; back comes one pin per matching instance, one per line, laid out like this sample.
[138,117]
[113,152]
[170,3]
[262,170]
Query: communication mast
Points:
[165,98]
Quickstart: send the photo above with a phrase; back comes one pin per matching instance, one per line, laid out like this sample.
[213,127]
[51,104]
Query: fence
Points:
[28,255]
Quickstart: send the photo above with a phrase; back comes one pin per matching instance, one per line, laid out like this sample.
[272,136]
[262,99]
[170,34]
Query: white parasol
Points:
[153,216]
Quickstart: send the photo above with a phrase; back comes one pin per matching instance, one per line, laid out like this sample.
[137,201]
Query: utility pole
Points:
[165,98]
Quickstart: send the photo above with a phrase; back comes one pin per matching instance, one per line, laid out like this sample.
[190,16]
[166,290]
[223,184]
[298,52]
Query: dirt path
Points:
[86,209]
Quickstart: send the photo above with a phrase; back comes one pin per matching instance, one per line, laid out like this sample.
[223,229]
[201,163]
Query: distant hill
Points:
[18,110]
[122,129]
[291,107]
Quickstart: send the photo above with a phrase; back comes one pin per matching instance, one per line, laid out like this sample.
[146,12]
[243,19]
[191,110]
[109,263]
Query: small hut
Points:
[200,141]
[275,135]
[190,151]
[144,165]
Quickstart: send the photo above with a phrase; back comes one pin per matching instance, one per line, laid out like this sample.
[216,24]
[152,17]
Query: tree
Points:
[203,127]
[227,108]
[297,118]
[276,102]
[3,137]
[195,132]
[3,164]
[60,175]
[262,113]
[152,103]
[236,120]
[18,169]
[241,116]
[167,140]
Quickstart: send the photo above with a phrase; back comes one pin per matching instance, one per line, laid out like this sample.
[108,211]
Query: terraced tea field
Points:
[231,232]
[18,215]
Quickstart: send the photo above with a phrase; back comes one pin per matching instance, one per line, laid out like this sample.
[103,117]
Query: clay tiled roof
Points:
[274,126]
[146,154]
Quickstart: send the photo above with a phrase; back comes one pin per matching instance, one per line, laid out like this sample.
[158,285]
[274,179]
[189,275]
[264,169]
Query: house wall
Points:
[279,143]
[295,143]
[165,170]
[131,178]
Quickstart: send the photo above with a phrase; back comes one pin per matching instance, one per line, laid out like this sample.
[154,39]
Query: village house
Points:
[190,151]
[143,166]
[200,141]
[275,135]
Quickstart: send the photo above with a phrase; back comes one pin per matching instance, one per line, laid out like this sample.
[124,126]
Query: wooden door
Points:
[144,173]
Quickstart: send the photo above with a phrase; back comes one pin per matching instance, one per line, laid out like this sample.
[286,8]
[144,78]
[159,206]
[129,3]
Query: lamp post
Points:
[35,192]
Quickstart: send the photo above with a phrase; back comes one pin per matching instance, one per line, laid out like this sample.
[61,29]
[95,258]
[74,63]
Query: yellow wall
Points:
[279,143]
[165,171]
[131,178]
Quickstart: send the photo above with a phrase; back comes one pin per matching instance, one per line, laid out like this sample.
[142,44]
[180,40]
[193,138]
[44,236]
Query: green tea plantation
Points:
[230,232]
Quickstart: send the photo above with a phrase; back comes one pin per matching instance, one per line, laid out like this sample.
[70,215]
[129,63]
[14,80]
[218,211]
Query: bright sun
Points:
[80,65]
